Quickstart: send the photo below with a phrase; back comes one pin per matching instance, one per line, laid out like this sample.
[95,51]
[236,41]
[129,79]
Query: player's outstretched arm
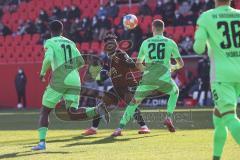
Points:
[201,35]
[200,41]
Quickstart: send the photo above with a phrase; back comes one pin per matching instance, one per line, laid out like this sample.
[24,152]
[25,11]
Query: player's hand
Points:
[173,68]
[42,79]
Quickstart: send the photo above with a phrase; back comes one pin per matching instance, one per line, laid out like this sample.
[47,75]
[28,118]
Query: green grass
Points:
[192,141]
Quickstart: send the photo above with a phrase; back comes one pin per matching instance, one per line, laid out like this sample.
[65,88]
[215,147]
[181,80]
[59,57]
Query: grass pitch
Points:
[192,141]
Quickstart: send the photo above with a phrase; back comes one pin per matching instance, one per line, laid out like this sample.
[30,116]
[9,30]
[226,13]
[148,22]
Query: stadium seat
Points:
[26,39]
[157,17]
[1,40]
[3,59]
[78,46]
[117,21]
[17,40]
[134,54]
[189,31]
[123,11]
[85,46]
[134,9]
[179,30]
[169,30]
[140,19]
[20,58]
[10,54]
[38,53]
[152,4]
[35,38]
[147,19]
[95,46]
[8,40]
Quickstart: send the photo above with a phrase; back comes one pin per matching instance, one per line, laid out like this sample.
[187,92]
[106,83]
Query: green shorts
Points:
[159,87]
[53,96]
[225,95]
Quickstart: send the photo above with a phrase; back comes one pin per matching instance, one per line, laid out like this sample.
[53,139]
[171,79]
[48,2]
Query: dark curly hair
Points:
[110,44]
[109,36]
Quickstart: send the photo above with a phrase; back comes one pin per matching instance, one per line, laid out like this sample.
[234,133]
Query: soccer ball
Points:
[130,21]
[19,106]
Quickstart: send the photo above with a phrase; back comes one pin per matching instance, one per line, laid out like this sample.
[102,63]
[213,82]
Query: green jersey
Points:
[159,49]
[63,57]
[219,29]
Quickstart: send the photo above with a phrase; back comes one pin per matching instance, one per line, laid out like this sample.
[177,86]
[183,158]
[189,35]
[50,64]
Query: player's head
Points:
[157,27]
[56,27]
[222,2]
[110,43]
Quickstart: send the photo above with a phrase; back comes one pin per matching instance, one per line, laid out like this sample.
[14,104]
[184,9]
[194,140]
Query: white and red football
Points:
[130,21]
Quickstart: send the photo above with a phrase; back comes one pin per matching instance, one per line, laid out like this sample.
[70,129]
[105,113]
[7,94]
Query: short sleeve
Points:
[201,33]
[48,49]
[175,50]
[141,54]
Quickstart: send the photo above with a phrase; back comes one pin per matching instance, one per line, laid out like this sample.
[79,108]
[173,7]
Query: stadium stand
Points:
[25,30]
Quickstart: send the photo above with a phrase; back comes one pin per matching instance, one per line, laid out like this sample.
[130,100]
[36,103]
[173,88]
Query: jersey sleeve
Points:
[47,58]
[141,54]
[175,50]
[200,35]
[80,60]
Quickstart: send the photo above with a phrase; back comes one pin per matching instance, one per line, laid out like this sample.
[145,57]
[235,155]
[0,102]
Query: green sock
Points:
[42,132]
[220,136]
[128,115]
[169,115]
[233,124]
[172,101]
[216,158]
[91,112]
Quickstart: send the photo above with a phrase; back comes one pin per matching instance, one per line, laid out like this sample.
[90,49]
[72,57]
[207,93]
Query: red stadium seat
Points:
[134,54]
[147,19]
[140,19]
[169,30]
[117,21]
[17,40]
[85,46]
[134,9]
[152,4]
[78,46]
[8,40]
[123,11]
[35,38]
[2,59]
[38,53]
[20,58]
[10,53]
[145,27]
[26,39]
[1,41]
[95,46]
[157,17]
[20,49]
[179,30]
[189,31]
